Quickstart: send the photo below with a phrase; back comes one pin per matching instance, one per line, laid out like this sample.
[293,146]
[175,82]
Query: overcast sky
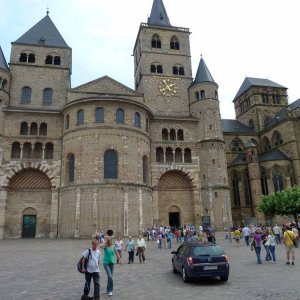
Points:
[237,38]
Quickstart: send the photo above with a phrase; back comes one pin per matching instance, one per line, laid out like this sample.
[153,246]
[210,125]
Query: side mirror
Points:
[173,252]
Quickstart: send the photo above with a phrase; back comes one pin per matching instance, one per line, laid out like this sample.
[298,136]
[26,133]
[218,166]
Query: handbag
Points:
[293,240]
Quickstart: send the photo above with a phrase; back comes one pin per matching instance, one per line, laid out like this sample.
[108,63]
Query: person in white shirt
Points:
[246,233]
[119,247]
[141,247]
[277,233]
[93,258]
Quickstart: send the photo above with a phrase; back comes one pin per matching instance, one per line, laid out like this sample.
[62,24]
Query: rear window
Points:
[207,251]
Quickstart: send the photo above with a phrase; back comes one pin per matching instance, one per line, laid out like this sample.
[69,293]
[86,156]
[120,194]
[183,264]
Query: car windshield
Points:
[207,250]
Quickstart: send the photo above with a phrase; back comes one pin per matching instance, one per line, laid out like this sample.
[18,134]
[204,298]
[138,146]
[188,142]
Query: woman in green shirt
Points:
[109,262]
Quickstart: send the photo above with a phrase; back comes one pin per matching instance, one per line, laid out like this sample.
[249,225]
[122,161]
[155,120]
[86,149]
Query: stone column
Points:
[54,213]
[77,214]
[141,223]
[95,212]
[21,153]
[125,198]
[3,199]
[198,210]
[43,153]
[155,207]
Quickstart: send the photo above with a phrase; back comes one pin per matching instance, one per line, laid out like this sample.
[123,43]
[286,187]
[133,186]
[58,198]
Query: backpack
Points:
[79,264]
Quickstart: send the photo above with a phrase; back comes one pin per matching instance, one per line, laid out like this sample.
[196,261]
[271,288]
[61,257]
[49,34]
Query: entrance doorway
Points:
[29,226]
[174,219]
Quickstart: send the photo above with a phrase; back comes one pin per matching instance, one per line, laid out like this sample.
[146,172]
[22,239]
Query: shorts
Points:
[290,249]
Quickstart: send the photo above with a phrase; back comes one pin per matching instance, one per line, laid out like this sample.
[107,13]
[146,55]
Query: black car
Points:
[197,259]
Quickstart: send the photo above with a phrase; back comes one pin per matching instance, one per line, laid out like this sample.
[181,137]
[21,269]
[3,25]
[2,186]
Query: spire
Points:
[159,14]
[3,63]
[43,33]
[203,74]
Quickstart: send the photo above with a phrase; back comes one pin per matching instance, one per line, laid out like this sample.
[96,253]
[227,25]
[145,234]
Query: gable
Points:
[105,85]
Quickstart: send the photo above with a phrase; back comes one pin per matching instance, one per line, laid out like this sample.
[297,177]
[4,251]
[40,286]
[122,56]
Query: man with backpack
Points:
[91,259]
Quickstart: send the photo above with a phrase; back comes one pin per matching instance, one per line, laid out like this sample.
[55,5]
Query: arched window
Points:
[174,43]
[159,69]
[247,188]
[175,70]
[48,60]
[216,95]
[43,129]
[276,98]
[251,123]
[33,129]
[235,189]
[265,144]
[236,146]
[49,149]
[110,164]
[67,122]
[27,150]
[181,71]
[164,134]
[70,168]
[159,155]
[187,155]
[23,57]
[120,116]
[145,169]
[264,181]
[24,128]
[3,83]
[202,94]
[15,150]
[169,155]
[47,96]
[153,69]
[31,58]
[99,115]
[26,95]
[180,136]
[276,139]
[56,60]
[156,43]
[137,120]
[172,135]
[197,95]
[38,151]
[80,117]
[178,155]
[277,178]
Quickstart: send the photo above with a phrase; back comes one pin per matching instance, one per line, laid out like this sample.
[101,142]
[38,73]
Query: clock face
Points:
[167,87]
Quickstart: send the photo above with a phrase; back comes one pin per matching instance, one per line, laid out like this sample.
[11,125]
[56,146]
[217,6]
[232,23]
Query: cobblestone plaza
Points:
[46,269]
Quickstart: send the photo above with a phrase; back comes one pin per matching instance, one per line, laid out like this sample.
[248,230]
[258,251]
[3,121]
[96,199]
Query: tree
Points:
[286,202]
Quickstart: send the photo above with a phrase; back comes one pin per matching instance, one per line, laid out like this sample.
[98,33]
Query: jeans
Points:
[120,253]
[131,256]
[247,240]
[272,250]
[87,285]
[159,245]
[257,252]
[268,255]
[169,243]
[278,238]
[109,269]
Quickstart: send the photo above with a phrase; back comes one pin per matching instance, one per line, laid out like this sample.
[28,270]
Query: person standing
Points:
[288,238]
[237,236]
[109,262]
[256,244]
[119,247]
[272,243]
[130,246]
[93,260]
[141,247]
[246,233]
[277,233]
[296,233]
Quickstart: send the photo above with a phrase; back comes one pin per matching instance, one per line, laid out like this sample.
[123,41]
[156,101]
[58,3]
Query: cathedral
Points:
[102,155]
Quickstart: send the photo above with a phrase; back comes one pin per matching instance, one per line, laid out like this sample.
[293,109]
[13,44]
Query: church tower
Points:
[204,105]
[162,63]
[40,65]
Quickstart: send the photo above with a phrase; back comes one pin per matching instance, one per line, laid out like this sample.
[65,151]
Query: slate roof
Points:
[274,154]
[3,63]
[239,160]
[43,33]
[249,82]
[235,126]
[159,14]
[203,74]
[250,144]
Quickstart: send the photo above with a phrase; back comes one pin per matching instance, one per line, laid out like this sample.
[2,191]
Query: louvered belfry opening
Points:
[29,179]
[175,180]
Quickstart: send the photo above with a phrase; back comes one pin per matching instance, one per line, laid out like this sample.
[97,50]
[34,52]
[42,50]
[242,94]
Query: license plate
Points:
[205,268]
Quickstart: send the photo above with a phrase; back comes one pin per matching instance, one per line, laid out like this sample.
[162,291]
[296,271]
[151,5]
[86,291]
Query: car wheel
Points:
[174,269]
[224,278]
[185,278]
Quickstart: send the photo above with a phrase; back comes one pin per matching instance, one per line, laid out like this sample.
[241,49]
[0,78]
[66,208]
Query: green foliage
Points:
[286,202]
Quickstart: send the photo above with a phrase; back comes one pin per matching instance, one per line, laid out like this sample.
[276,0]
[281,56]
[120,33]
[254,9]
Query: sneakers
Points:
[110,294]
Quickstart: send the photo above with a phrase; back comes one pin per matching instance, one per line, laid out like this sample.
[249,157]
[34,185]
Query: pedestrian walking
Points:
[256,245]
[246,233]
[119,247]
[141,247]
[288,240]
[130,247]
[237,236]
[109,262]
[93,258]
[272,244]
[277,233]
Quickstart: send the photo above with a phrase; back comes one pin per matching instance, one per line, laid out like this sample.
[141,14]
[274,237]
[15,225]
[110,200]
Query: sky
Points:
[237,38]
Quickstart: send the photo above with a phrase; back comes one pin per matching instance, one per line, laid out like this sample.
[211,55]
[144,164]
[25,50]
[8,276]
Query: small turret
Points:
[5,78]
